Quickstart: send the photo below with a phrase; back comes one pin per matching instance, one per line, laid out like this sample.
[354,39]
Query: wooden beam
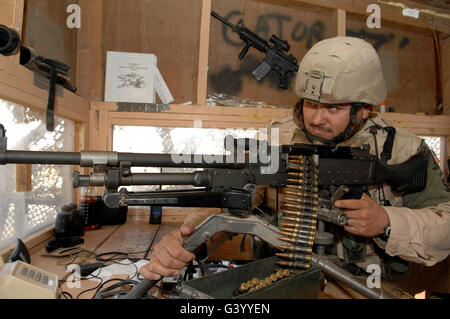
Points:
[202,80]
[90,50]
[341,23]
[431,18]
[23,178]
[430,125]
[17,86]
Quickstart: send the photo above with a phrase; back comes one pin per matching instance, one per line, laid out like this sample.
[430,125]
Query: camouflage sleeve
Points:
[420,231]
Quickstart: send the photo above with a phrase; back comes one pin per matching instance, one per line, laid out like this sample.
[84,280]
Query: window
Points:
[168,140]
[22,213]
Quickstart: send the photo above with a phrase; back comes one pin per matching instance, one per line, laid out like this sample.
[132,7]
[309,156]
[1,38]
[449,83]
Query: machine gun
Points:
[275,58]
[313,176]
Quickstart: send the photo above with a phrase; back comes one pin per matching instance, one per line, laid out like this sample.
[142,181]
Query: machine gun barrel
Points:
[112,159]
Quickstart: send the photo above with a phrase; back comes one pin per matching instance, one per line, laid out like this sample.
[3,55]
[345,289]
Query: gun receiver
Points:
[275,58]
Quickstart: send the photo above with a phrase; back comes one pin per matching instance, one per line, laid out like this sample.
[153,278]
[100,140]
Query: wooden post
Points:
[202,80]
[23,178]
[90,51]
[341,23]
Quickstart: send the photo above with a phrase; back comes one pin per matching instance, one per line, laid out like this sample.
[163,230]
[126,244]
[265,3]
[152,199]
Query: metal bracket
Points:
[43,83]
[142,107]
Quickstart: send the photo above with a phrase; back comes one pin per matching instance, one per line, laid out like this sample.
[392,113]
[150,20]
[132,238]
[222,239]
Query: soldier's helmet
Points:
[341,70]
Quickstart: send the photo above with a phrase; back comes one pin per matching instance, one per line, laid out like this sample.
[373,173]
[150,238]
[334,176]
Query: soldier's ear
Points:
[366,110]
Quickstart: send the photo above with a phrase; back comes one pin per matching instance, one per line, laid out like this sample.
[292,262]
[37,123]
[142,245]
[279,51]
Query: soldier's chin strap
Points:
[346,134]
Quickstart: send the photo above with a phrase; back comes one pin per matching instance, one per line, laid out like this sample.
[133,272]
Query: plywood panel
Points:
[408,61]
[301,27]
[168,28]
[45,29]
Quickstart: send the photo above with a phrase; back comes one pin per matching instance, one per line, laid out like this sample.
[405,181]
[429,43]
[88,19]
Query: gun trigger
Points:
[340,192]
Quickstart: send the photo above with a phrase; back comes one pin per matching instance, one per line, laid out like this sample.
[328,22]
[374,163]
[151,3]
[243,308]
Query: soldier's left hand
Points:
[366,217]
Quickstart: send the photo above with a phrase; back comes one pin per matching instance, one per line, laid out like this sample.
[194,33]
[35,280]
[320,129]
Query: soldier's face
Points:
[329,120]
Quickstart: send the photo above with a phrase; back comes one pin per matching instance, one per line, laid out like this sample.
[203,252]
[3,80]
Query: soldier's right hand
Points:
[169,257]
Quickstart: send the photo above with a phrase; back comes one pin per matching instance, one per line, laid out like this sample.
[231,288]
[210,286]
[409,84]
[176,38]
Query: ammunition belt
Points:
[299,213]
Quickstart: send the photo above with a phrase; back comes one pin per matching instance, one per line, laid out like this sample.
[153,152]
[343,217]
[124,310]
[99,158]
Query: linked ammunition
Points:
[250,283]
[279,274]
[301,222]
[305,240]
[299,231]
[302,200]
[302,194]
[299,213]
[303,182]
[297,241]
[295,249]
[294,257]
[305,188]
[255,281]
[305,175]
[311,228]
[268,280]
[294,264]
[293,219]
[299,208]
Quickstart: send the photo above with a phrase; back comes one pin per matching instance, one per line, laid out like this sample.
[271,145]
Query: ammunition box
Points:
[299,285]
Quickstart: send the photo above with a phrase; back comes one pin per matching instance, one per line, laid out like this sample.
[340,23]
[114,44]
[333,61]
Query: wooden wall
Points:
[408,60]
[167,28]
[45,30]
[301,27]
[171,30]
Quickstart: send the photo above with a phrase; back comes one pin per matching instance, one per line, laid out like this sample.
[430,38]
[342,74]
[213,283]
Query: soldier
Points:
[339,81]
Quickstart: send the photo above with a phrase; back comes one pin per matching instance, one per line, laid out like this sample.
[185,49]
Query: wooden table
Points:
[137,238]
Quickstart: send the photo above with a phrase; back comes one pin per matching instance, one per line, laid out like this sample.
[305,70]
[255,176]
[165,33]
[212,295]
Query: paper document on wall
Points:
[161,87]
[130,77]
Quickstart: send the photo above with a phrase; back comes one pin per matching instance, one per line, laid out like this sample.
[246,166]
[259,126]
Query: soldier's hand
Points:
[169,257]
[366,217]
